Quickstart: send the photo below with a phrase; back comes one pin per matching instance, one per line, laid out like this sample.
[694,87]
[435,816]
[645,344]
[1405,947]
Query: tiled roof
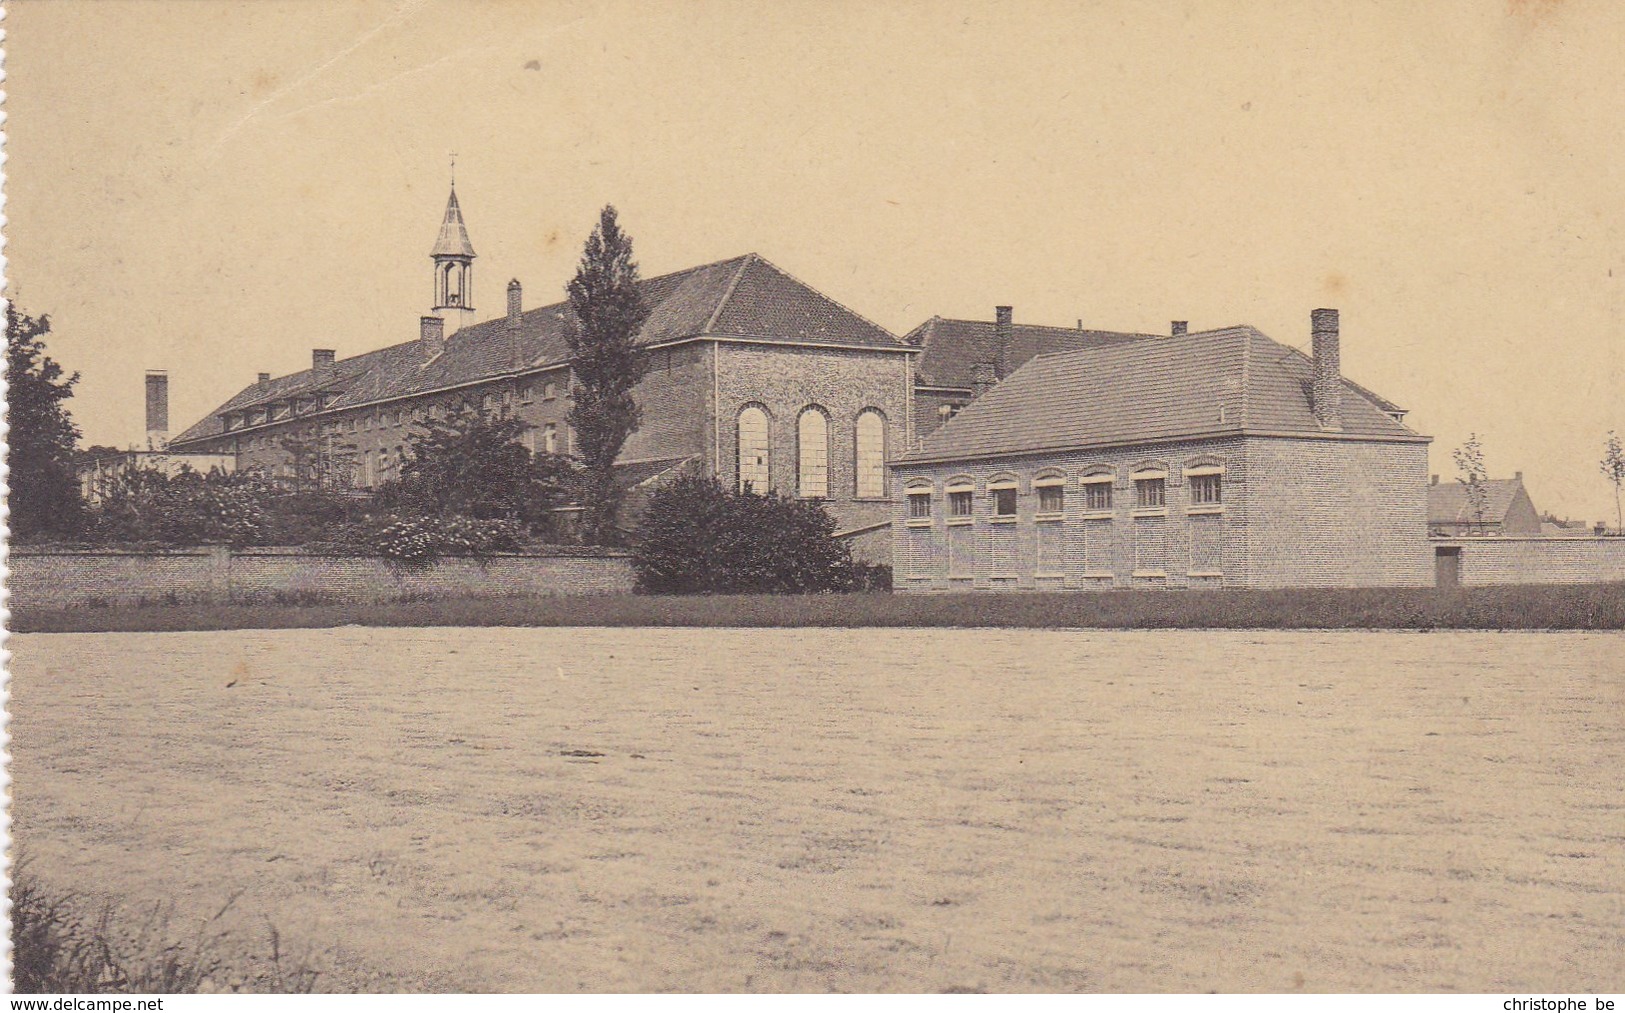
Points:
[951,349]
[453,238]
[1155,389]
[745,297]
[1447,501]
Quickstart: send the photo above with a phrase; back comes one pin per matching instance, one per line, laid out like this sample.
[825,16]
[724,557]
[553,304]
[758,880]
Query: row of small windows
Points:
[492,401]
[813,452]
[1150,492]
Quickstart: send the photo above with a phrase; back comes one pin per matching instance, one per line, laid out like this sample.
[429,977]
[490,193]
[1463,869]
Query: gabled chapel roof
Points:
[745,298]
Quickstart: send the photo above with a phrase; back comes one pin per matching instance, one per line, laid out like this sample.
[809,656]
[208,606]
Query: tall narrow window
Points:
[550,438]
[871,455]
[754,472]
[812,472]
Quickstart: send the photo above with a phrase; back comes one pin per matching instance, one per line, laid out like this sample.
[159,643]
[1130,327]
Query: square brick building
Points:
[1219,458]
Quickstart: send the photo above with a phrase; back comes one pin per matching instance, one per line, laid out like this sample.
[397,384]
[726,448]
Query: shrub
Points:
[698,537]
[418,541]
[185,509]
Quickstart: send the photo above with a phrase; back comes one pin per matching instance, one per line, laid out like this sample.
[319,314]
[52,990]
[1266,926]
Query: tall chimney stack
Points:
[1327,400]
[157,409]
[1002,336]
[264,379]
[431,336]
[1179,327]
[321,359]
[515,304]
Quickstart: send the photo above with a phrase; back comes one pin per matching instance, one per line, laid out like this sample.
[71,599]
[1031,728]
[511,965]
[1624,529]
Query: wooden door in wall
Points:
[1447,566]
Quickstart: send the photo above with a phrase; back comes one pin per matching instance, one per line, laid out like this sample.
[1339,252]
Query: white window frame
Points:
[810,484]
[765,486]
[1098,478]
[1204,471]
[912,495]
[1049,481]
[997,486]
[1150,475]
[877,472]
[959,487]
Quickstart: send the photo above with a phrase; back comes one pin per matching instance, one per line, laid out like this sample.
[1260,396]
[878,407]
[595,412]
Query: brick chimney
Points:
[264,379]
[1002,336]
[431,336]
[515,304]
[1433,480]
[1178,327]
[1327,399]
[982,379]
[321,360]
[157,409]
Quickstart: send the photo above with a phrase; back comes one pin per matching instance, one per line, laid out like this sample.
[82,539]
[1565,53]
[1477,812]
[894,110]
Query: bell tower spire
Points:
[453,257]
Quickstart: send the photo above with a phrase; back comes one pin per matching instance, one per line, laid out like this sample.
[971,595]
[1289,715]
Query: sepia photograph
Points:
[815,497]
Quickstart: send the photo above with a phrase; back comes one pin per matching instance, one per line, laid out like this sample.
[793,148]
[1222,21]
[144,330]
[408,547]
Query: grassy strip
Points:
[57,949]
[1587,607]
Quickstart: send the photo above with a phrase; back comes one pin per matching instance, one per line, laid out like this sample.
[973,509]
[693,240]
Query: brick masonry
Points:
[1513,560]
[784,380]
[216,575]
[1295,513]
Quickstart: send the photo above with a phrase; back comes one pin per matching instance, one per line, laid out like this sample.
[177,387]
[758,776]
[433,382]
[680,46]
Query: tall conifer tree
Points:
[609,311]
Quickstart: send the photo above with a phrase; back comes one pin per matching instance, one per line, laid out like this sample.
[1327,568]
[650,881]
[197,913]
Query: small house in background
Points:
[1212,459]
[1508,510]
[102,474]
[960,360]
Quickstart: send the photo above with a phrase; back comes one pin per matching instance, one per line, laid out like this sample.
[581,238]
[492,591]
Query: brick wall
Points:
[1336,513]
[1082,550]
[844,382]
[1295,513]
[675,398]
[1511,560]
[928,410]
[73,579]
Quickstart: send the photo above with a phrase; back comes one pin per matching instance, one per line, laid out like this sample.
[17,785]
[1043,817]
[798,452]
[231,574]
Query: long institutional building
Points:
[971,454]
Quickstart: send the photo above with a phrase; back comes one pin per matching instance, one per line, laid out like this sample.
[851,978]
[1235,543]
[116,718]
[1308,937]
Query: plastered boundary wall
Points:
[1515,560]
[58,579]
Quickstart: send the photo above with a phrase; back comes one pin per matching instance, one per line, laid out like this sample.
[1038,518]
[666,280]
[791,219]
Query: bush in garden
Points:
[698,537]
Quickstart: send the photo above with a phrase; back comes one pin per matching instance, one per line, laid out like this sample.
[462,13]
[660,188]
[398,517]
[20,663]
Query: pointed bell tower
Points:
[453,257]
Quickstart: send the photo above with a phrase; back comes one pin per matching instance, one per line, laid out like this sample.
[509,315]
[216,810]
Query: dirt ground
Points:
[919,810]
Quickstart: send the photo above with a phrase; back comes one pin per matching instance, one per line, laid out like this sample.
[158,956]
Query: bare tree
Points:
[1470,463]
[1613,468]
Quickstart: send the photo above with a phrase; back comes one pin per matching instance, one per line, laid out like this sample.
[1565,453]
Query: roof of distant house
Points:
[744,298]
[1448,502]
[1206,384]
[952,349]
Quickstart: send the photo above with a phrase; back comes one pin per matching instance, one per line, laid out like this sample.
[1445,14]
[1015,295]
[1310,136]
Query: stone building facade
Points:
[1205,460]
[745,361]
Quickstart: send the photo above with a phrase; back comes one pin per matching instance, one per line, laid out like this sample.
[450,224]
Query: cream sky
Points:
[215,189]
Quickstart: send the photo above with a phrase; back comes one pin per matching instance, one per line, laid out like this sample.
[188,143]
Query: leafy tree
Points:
[608,312]
[696,536]
[189,508]
[44,497]
[1470,463]
[475,466]
[1613,468]
[318,461]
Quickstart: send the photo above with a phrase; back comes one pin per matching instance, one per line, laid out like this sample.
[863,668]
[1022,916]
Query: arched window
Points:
[812,462]
[871,454]
[754,472]
[550,438]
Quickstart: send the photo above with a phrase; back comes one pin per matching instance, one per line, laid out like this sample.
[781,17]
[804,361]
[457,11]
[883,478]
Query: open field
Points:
[1583,607]
[849,809]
